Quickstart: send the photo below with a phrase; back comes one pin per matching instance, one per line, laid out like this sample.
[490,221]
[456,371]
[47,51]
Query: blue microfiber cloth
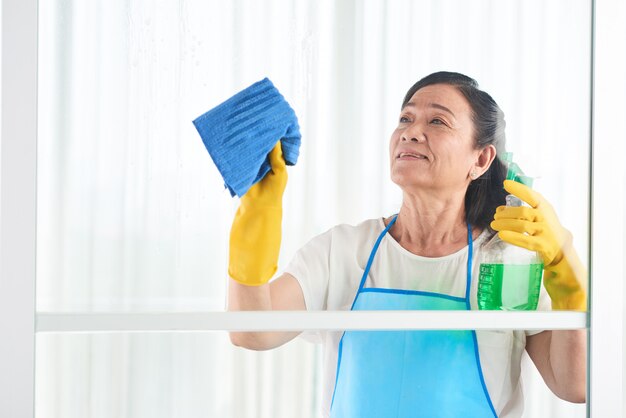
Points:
[240,132]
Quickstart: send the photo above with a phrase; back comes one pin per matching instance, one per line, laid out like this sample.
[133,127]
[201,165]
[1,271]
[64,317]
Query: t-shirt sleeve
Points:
[311,268]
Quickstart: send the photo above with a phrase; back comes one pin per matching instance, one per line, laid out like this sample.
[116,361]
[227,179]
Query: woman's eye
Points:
[404,119]
[437,121]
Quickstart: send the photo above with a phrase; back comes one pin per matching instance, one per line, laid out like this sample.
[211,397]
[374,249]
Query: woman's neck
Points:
[431,227]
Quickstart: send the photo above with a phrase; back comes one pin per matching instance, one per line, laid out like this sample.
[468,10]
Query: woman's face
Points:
[432,146]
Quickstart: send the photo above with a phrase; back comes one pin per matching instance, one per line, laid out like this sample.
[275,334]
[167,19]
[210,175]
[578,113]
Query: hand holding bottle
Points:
[537,228]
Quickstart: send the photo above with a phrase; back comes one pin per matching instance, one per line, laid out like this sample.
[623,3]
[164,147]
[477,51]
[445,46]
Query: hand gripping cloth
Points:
[240,132]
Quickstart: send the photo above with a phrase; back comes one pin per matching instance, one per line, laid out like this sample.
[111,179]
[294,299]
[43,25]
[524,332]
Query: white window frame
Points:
[19,323]
[606,355]
[18,155]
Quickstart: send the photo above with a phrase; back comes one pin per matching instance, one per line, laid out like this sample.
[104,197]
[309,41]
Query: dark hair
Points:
[485,193]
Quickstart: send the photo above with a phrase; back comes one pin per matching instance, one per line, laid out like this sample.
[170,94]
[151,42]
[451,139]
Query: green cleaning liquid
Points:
[509,287]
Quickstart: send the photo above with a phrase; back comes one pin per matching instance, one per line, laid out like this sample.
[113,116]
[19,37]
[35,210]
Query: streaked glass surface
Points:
[132,213]
[189,375]
[170,375]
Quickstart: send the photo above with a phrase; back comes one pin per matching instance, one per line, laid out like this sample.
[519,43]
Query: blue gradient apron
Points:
[430,374]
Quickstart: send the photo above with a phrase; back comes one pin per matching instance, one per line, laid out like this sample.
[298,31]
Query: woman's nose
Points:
[413,133]
[411,138]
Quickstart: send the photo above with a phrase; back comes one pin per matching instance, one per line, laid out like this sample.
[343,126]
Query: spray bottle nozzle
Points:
[514,172]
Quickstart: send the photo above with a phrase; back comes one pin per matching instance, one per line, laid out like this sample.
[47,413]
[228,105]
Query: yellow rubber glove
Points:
[256,231]
[537,228]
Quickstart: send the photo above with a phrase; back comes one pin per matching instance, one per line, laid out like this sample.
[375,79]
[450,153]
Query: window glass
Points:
[185,375]
[189,375]
[133,215]
[132,212]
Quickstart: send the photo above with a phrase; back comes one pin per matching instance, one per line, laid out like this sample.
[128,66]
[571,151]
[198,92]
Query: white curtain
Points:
[133,216]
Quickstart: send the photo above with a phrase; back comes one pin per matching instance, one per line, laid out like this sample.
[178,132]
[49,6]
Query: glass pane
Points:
[154,375]
[132,213]
[186,375]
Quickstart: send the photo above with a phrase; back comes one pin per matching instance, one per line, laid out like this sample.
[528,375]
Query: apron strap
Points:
[371,259]
[470,253]
[470,245]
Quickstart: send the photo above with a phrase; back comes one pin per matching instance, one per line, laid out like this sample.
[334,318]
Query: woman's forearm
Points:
[249,298]
[568,360]
[284,293]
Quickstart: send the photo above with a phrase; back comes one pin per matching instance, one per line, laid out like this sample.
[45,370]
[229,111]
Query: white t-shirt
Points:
[329,269]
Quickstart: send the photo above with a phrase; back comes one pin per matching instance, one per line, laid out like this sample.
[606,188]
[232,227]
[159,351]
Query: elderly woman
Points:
[443,155]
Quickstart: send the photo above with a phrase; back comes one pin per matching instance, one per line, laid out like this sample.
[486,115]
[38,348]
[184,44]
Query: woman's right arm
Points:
[254,247]
[282,294]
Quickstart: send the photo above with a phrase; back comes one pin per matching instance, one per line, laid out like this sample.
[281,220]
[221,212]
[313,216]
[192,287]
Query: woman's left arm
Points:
[561,358]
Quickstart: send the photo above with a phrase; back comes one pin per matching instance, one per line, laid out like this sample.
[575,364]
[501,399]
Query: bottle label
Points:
[513,287]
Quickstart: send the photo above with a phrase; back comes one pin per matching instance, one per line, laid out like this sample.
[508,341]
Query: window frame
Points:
[18,167]
[606,360]
[18,159]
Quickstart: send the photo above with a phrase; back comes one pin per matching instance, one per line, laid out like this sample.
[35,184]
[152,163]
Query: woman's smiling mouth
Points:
[406,155]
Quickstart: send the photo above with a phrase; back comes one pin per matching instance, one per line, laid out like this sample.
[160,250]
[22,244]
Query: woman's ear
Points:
[485,158]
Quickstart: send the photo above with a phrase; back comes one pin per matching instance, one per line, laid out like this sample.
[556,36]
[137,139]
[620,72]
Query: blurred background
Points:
[133,215]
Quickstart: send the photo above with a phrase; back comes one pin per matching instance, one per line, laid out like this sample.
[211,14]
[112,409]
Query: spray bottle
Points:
[510,276]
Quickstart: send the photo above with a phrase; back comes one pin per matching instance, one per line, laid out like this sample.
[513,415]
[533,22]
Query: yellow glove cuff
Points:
[566,282]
